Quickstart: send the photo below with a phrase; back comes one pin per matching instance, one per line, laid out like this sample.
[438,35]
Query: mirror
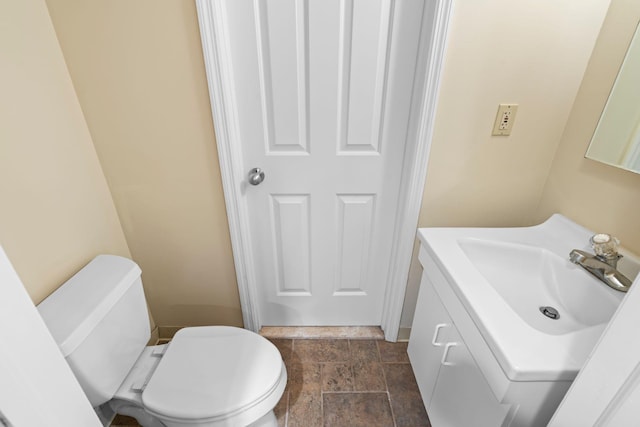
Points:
[616,140]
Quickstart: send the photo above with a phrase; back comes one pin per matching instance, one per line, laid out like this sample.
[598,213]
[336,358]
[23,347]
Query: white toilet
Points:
[206,376]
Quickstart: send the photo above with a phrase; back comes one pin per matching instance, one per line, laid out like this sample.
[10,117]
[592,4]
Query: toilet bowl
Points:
[206,376]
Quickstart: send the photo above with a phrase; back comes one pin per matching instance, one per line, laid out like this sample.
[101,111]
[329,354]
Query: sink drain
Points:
[550,312]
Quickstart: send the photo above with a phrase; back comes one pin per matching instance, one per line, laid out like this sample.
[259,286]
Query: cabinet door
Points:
[462,396]
[429,333]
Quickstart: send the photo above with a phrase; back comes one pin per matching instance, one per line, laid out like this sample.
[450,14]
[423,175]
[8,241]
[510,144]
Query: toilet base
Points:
[145,420]
[268,420]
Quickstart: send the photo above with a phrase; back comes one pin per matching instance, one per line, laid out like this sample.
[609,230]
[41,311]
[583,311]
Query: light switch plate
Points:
[504,119]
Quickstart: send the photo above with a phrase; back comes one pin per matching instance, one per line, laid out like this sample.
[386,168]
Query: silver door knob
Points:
[256,176]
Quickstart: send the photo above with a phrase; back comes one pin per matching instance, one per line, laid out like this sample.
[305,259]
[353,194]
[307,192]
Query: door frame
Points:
[215,47]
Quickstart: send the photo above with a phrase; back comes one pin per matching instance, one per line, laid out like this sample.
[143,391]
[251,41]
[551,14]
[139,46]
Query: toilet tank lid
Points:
[75,308]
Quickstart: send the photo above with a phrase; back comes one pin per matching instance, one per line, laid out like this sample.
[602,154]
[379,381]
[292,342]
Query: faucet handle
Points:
[605,245]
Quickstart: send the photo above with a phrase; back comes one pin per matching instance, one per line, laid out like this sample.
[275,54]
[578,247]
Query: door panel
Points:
[364,31]
[292,241]
[355,227]
[282,36]
[317,106]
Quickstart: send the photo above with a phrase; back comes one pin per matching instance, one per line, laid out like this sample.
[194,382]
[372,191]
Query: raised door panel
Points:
[292,243]
[365,28]
[355,227]
[282,31]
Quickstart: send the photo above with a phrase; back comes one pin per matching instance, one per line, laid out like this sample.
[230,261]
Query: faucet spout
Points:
[601,268]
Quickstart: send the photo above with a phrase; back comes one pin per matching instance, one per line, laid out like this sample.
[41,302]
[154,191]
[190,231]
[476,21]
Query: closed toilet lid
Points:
[211,372]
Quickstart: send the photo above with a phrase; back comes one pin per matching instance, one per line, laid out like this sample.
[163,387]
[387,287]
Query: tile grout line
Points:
[321,401]
[393,415]
[321,395]
[286,416]
[356,392]
[386,384]
[286,412]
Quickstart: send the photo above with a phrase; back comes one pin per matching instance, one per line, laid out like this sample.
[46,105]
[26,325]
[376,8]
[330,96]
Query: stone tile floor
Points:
[345,383]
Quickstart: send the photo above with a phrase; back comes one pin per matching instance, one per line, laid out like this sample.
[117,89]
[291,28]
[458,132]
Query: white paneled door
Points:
[319,95]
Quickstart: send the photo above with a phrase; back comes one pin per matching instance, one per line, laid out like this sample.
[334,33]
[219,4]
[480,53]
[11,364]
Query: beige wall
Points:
[598,196]
[138,70]
[56,212]
[529,53]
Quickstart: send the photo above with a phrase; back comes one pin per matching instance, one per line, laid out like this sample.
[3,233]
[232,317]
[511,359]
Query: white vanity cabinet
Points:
[452,386]
[461,382]
[429,334]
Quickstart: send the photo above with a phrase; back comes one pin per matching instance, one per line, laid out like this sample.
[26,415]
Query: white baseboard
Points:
[403,334]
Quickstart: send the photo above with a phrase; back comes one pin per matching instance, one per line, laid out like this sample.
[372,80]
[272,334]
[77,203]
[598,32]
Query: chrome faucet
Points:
[604,263]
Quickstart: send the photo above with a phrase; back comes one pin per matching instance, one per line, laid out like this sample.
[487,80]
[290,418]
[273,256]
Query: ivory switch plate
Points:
[504,119]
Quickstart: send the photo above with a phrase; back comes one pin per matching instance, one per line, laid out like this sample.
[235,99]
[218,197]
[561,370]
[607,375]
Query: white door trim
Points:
[215,46]
[414,176]
[213,32]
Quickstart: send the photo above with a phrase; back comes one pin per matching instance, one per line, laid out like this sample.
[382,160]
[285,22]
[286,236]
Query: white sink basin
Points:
[502,276]
[528,278]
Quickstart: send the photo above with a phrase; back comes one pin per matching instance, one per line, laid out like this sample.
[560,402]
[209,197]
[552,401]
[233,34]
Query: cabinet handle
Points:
[445,353]
[434,340]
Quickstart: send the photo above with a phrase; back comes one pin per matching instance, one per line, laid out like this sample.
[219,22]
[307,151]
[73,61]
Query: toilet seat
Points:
[215,373]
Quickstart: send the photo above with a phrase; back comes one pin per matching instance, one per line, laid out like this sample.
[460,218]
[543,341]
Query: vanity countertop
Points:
[527,348]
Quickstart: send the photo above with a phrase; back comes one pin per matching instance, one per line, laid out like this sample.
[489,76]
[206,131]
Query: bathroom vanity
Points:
[484,351]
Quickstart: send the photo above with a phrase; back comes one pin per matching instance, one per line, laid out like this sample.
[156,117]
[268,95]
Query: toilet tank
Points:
[99,320]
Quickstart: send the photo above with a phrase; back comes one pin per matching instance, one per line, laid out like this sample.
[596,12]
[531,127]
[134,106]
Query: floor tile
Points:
[321,350]
[305,410]
[281,409]
[408,410]
[406,402]
[393,351]
[400,377]
[364,350]
[337,377]
[368,376]
[123,420]
[284,346]
[356,410]
[304,377]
